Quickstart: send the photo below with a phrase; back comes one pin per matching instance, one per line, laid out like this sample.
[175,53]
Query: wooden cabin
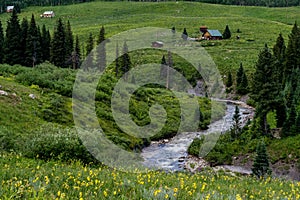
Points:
[212,35]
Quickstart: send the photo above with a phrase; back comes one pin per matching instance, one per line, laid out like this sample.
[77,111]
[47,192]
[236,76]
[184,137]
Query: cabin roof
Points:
[214,33]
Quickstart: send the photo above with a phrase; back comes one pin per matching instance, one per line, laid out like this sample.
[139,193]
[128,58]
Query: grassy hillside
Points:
[258,25]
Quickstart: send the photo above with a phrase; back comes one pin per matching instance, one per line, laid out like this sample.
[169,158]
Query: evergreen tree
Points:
[260,166]
[117,61]
[278,72]
[89,53]
[229,81]
[184,34]
[126,63]
[101,51]
[1,43]
[12,44]
[76,54]
[69,41]
[241,81]
[24,33]
[236,125]
[33,46]
[45,43]
[292,52]
[58,45]
[226,33]
[263,91]
[173,30]
[289,126]
[163,69]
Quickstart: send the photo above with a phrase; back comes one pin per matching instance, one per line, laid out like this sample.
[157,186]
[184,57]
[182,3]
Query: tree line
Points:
[268,3]
[26,3]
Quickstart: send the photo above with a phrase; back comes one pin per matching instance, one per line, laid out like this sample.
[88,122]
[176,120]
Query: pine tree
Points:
[69,41]
[101,51]
[260,166]
[229,81]
[236,125]
[24,33]
[263,90]
[117,61]
[1,43]
[292,52]
[33,46]
[173,30]
[226,33]
[278,72]
[45,43]
[89,54]
[58,45]
[163,67]
[241,81]
[76,54]
[184,34]
[12,44]
[125,62]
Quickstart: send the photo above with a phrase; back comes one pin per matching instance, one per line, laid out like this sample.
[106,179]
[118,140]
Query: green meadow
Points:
[45,159]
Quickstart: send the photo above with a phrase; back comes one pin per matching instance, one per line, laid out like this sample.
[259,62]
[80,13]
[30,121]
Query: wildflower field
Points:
[23,178]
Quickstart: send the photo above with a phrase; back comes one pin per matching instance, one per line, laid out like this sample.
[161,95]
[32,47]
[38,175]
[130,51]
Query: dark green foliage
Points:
[54,142]
[236,125]
[263,90]
[58,45]
[69,43]
[33,46]
[260,166]
[117,61]
[76,54]
[226,33]
[184,34]
[24,33]
[229,81]
[101,51]
[292,52]
[241,81]
[163,67]
[125,64]
[45,43]
[89,54]
[173,30]
[12,45]
[279,48]
[1,43]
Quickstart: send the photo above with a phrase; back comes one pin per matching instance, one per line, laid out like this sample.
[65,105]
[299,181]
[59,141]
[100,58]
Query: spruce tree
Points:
[101,51]
[263,90]
[184,34]
[1,43]
[58,45]
[117,61]
[33,46]
[241,81]
[226,33]
[89,54]
[76,55]
[163,69]
[24,33]
[260,167]
[292,52]
[229,81]
[236,123]
[12,44]
[69,41]
[125,61]
[279,48]
[45,43]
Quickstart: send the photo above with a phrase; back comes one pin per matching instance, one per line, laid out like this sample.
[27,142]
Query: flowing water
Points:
[169,155]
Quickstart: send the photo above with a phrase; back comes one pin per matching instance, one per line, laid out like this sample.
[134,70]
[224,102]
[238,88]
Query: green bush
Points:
[53,142]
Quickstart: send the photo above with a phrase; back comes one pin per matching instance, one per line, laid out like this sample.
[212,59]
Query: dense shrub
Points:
[53,142]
